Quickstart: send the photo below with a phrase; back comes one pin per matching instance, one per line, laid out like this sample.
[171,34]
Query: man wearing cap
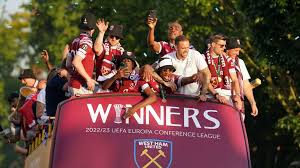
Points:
[187,63]
[165,70]
[128,80]
[80,60]
[109,51]
[233,49]
[28,78]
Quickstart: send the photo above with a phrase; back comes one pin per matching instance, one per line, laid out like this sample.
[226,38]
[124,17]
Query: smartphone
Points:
[122,65]
[152,14]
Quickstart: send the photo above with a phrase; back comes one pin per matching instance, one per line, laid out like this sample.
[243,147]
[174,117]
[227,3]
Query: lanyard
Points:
[219,66]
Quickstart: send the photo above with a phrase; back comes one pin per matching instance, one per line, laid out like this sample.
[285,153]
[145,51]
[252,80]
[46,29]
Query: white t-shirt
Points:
[246,76]
[244,70]
[41,97]
[191,65]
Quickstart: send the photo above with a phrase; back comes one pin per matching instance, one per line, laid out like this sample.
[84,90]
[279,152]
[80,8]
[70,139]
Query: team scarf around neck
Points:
[223,71]
[239,76]
[108,59]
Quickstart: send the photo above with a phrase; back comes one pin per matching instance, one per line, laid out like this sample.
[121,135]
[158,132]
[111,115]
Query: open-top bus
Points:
[180,133]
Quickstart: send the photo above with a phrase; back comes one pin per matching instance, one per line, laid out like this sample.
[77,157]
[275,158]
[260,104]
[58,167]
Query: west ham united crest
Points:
[152,153]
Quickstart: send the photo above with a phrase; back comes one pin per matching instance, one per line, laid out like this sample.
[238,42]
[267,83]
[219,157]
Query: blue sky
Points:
[11,6]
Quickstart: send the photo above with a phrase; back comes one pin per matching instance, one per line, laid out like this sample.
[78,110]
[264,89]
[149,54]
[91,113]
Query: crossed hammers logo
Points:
[153,160]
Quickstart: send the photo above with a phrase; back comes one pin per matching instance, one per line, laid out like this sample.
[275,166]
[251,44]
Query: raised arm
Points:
[120,74]
[66,51]
[154,46]
[45,58]
[102,27]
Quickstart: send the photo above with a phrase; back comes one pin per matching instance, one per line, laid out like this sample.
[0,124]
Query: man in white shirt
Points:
[187,63]
[233,49]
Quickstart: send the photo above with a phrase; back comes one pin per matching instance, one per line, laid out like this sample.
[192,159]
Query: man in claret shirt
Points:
[223,81]
[109,51]
[80,60]
[162,47]
[127,80]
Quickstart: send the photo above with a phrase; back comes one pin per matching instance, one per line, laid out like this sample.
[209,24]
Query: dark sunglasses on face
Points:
[111,36]
[221,45]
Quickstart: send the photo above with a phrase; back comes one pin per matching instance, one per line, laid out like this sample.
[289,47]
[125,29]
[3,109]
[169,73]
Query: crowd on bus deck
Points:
[104,65]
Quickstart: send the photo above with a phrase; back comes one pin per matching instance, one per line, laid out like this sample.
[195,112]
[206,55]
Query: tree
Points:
[14,33]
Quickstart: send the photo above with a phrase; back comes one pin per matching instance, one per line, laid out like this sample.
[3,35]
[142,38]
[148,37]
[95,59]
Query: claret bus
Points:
[88,131]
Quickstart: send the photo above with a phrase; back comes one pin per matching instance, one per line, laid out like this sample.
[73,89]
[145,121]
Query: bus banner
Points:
[182,132]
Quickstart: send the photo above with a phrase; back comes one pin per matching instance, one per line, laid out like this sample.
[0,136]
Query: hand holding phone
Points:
[152,14]
[152,19]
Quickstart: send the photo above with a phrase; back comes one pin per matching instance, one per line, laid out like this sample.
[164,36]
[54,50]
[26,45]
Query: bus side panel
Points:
[180,133]
[40,157]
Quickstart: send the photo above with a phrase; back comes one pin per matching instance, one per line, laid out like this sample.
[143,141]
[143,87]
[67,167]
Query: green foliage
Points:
[53,25]
[6,149]
[290,125]
[2,105]
[14,41]
[14,36]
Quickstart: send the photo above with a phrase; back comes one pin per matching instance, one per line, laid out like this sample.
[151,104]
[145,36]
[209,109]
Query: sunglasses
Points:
[116,37]
[221,45]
